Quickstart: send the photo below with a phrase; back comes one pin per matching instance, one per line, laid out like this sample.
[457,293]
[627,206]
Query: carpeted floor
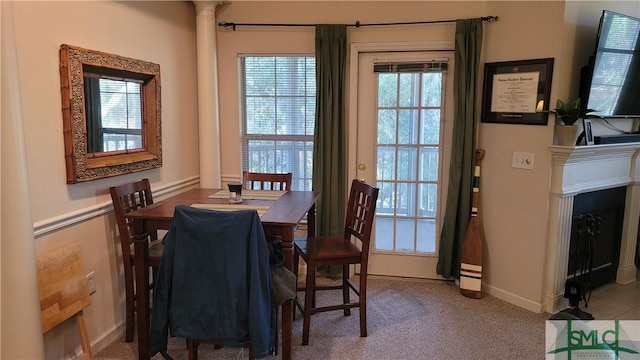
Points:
[407,320]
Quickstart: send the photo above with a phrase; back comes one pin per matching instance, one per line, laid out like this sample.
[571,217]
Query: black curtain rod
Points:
[226,24]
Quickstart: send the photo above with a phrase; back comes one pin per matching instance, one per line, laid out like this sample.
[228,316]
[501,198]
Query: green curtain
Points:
[468,44]
[330,137]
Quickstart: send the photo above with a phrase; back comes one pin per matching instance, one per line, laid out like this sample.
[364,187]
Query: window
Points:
[278,107]
[117,112]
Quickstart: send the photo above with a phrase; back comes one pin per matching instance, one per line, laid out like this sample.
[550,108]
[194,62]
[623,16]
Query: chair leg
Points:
[296,264]
[345,288]
[309,292]
[277,339]
[192,346]
[129,311]
[362,300]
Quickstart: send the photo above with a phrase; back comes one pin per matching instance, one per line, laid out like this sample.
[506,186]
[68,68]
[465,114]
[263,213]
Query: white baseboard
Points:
[96,346]
[115,333]
[514,299]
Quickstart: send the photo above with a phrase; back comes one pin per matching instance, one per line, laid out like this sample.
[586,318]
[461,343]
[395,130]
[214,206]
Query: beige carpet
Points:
[407,320]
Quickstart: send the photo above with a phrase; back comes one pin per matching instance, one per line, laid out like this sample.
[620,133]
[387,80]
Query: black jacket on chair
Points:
[214,281]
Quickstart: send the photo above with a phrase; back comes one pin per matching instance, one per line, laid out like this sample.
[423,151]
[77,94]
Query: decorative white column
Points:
[20,299]
[208,114]
[560,213]
[626,267]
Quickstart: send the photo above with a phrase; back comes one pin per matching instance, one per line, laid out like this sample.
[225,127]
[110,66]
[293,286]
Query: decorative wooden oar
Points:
[471,262]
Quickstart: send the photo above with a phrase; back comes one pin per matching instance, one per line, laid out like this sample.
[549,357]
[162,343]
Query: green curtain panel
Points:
[330,137]
[468,44]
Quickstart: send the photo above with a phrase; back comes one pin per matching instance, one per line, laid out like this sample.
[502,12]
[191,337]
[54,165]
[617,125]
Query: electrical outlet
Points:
[522,160]
[91,280]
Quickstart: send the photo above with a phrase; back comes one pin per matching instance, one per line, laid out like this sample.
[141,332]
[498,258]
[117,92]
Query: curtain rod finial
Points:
[226,24]
[491,18]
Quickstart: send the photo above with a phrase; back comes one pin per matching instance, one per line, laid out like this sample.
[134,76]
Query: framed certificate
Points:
[517,92]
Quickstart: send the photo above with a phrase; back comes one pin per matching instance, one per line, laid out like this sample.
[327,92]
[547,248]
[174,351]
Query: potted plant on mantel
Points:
[567,114]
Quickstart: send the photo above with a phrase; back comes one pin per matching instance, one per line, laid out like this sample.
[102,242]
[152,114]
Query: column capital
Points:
[206,7]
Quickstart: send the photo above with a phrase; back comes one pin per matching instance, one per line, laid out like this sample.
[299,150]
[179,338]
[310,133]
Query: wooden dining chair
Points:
[352,248]
[126,198]
[266,181]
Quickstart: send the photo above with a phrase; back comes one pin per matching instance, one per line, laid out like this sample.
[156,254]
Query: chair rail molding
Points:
[60,222]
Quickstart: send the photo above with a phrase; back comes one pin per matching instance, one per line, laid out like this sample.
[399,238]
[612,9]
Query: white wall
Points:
[159,32]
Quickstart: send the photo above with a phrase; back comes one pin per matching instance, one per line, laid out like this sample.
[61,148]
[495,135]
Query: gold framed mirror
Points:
[111,114]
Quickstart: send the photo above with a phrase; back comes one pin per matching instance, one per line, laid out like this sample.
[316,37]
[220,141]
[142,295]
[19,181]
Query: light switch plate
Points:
[523,160]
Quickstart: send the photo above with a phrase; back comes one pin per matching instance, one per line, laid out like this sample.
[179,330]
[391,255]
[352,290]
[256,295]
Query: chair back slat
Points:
[361,208]
[127,198]
[266,181]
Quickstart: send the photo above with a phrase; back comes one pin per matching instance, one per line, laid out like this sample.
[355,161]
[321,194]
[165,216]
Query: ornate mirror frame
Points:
[81,165]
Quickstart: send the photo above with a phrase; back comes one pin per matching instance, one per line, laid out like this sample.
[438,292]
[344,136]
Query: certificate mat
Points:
[251,194]
[261,209]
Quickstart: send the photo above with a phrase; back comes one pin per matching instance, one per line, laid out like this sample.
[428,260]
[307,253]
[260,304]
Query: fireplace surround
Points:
[581,169]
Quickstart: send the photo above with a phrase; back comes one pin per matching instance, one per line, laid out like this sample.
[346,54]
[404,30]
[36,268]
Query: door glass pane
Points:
[432,90]
[407,163]
[384,232]
[386,163]
[426,236]
[407,125]
[409,90]
[428,169]
[387,126]
[409,114]
[387,90]
[430,129]
[405,235]
[427,200]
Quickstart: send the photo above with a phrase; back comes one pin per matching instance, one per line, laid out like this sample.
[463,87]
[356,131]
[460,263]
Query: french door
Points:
[405,114]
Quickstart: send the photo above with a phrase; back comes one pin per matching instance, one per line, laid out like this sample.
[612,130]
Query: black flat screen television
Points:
[611,81]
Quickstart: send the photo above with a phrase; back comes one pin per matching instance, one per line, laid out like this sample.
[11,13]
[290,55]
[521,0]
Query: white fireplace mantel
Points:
[581,169]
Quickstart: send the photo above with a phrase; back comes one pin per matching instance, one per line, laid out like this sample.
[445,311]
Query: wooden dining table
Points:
[280,220]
